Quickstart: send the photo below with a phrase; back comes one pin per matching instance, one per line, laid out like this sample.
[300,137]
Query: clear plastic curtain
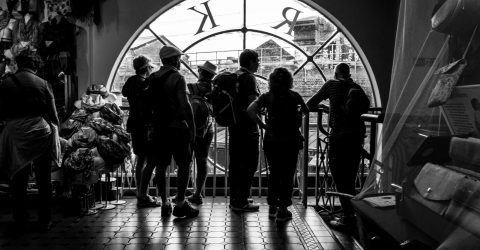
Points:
[419,51]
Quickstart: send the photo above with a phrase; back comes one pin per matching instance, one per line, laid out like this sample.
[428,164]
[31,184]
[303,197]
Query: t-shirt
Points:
[31,99]
[164,95]
[283,116]
[337,92]
[131,90]
[247,86]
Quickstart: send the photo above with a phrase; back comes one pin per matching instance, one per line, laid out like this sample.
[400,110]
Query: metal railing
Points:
[312,166]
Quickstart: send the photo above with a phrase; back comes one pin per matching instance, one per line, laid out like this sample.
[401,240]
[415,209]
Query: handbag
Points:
[448,77]
[456,16]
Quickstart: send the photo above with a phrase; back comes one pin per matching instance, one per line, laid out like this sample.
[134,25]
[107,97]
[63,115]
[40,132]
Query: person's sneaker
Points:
[342,223]
[283,215]
[166,209]
[147,202]
[272,212]
[195,199]
[249,207]
[186,211]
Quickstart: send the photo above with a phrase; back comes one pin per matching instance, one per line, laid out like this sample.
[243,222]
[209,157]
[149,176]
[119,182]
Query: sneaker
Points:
[283,215]
[249,207]
[147,202]
[272,212]
[186,211]
[195,199]
[166,209]
[342,223]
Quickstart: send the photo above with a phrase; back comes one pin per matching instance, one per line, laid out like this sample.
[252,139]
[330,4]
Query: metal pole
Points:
[107,206]
[118,201]
[306,121]
[226,161]
[215,155]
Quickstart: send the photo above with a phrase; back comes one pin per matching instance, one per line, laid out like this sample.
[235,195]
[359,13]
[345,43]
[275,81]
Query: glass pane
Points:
[307,81]
[222,50]
[308,27]
[147,45]
[274,53]
[182,25]
[340,50]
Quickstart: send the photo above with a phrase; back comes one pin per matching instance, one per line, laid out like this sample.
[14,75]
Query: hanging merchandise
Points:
[87,11]
[111,113]
[447,78]
[111,151]
[57,7]
[85,137]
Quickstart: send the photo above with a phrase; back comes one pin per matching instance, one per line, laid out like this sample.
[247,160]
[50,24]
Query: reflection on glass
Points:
[274,53]
[193,20]
[308,26]
[225,56]
[147,45]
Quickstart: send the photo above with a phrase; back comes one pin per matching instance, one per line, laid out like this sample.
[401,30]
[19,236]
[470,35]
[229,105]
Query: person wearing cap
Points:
[346,138]
[202,111]
[173,128]
[132,90]
[244,136]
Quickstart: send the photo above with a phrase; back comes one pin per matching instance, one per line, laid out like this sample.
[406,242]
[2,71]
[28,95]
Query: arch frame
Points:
[310,3]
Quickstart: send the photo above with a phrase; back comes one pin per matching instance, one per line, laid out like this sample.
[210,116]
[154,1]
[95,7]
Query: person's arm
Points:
[321,95]
[253,111]
[185,106]
[51,111]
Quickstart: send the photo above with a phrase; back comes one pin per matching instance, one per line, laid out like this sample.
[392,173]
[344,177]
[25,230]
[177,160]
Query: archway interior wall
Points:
[372,24]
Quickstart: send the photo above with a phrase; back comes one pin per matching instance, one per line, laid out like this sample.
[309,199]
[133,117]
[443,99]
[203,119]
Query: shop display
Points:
[96,139]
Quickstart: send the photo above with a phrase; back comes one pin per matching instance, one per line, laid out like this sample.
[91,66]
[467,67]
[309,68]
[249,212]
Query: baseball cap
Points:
[169,51]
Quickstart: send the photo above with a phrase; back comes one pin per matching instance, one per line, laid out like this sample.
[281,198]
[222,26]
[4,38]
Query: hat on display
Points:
[210,67]
[142,62]
[169,51]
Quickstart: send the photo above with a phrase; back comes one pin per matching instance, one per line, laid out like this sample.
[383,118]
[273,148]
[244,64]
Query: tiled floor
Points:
[127,227]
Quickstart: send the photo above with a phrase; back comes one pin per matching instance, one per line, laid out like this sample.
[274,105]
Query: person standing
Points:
[173,128]
[134,90]
[244,136]
[28,106]
[202,111]
[282,139]
[346,137]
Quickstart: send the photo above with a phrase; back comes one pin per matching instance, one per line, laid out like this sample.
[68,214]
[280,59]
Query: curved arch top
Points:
[294,34]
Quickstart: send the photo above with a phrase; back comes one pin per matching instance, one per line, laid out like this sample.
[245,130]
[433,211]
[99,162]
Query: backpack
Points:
[357,102]
[152,104]
[224,93]
[201,110]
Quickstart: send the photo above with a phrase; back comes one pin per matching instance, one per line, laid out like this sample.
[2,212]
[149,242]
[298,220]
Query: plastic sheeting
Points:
[419,51]
[453,218]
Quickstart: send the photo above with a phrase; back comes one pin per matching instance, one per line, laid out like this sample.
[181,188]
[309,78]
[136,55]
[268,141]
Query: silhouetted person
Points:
[174,129]
[244,136]
[134,90]
[282,140]
[202,112]
[346,137]
[27,104]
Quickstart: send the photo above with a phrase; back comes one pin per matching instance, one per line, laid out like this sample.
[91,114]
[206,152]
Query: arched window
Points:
[295,34]
[286,33]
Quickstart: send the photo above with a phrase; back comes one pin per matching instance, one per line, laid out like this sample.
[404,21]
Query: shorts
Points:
[171,142]
[202,145]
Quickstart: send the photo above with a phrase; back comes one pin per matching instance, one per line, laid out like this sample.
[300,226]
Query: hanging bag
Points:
[448,77]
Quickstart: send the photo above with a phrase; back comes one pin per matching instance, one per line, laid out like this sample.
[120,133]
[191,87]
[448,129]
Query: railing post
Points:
[306,132]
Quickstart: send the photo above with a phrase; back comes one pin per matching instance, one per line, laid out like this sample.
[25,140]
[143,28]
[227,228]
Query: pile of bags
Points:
[96,140]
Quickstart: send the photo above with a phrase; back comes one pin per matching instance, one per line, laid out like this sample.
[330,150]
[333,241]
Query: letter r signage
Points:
[290,23]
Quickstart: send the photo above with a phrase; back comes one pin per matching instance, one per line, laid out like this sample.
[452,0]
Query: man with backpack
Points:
[202,112]
[134,90]
[347,102]
[244,135]
[172,130]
